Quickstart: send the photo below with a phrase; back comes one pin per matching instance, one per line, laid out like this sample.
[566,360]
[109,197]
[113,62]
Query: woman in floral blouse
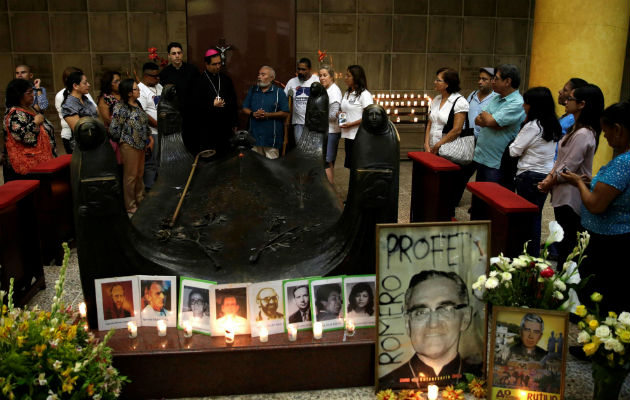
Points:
[130,126]
[29,137]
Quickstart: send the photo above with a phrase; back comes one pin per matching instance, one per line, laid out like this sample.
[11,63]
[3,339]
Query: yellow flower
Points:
[580,311]
[624,336]
[72,332]
[90,389]
[612,314]
[451,394]
[593,324]
[39,349]
[590,348]
[20,340]
[477,388]
[4,309]
[596,297]
[409,395]
[66,372]
[386,395]
[68,384]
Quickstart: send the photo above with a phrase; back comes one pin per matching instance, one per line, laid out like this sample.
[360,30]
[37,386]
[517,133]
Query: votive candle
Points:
[396,112]
[317,330]
[433,392]
[229,336]
[187,328]
[422,103]
[398,119]
[388,111]
[82,310]
[350,328]
[415,119]
[161,327]
[263,334]
[415,103]
[133,329]
[292,333]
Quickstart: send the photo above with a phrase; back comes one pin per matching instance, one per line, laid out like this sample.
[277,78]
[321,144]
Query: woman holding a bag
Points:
[30,138]
[535,145]
[448,101]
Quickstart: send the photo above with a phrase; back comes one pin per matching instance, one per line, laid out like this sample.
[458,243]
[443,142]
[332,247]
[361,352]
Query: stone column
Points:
[584,39]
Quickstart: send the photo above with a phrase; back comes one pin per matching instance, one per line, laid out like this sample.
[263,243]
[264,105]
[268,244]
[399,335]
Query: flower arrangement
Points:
[472,385]
[527,281]
[153,56]
[50,355]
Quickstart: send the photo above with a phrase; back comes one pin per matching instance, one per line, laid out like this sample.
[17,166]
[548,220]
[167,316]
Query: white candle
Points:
[412,95]
[388,111]
[229,336]
[350,328]
[415,103]
[387,96]
[187,328]
[263,334]
[433,392]
[405,96]
[133,329]
[413,111]
[396,112]
[386,103]
[292,333]
[415,119]
[408,104]
[317,330]
[161,327]
[398,119]
[82,310]
[422,103]
[398,96]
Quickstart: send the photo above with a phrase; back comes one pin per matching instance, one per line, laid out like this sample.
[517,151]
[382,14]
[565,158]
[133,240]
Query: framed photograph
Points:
[327,302]
[528,353]
[431,329]
[194,304]
[228,306]
[297,304]
[358,294]
[116,302]
[158,299]
[266,303]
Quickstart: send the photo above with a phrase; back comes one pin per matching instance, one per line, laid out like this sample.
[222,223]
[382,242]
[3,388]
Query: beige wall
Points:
[93,35]
[401,43]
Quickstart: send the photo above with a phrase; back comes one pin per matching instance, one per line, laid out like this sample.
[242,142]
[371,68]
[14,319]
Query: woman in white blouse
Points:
[535,144]
[437,131]
[353,102]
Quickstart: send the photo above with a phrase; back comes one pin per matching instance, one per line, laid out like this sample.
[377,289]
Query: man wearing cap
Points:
[480,98]
[150,92]
[183,76]
[299,89]
[215,99]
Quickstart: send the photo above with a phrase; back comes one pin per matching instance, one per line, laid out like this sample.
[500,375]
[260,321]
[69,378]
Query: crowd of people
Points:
[523,145]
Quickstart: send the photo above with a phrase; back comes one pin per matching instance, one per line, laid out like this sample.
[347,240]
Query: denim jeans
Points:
[487,174]
[526,187]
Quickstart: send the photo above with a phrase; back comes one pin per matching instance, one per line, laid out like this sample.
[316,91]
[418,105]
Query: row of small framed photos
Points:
[210,307]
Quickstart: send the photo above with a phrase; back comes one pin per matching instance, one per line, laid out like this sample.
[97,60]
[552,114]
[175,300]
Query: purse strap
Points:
[451,118]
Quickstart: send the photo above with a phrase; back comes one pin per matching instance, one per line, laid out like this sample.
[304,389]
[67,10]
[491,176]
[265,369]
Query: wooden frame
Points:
[440,250]
[521,363]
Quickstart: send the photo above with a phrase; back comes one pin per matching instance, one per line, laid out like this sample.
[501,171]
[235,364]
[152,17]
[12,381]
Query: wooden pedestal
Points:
[433,181]
[174,366]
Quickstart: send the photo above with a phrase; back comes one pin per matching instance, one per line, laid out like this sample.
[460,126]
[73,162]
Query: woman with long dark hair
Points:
[29,138]
[76,103]
[606,214]
[535,145]
[356,98]
[130,127]
[361,301]
[109,95]
[575,154]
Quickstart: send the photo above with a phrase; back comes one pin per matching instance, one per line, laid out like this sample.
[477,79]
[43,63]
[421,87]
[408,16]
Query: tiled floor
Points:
[578,383]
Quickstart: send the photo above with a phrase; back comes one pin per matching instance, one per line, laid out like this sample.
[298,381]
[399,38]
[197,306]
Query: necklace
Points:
[214,87]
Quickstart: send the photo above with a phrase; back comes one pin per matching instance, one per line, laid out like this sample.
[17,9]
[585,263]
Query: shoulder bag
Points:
[462,149]
[21,157]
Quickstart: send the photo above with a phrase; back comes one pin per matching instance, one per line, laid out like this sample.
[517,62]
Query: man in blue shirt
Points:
[267,107]
[500,121]
[480,98]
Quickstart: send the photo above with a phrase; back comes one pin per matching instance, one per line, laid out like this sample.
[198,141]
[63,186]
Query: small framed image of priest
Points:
[115,301]
[327,302]
[158,300]
[267,305]
[297,304]
[528,355]
[431,329]
[194,304]
[229,307]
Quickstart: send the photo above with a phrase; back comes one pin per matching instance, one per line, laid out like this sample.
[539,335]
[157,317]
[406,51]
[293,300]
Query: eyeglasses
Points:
[269,298]
[443,313]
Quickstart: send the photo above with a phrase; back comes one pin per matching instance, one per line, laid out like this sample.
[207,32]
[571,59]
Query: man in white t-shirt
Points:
[150,92]
[299,89]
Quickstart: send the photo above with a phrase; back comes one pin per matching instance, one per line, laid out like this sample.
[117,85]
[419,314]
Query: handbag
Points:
[462,149]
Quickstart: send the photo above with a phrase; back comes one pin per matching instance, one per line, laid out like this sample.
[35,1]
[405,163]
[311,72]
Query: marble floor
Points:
[578,384]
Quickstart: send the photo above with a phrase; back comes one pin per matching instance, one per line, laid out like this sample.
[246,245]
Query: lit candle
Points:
[387,96]
[422,103]
[133,329]
[350,328]
[292,333]
[388,111]
[415,103]
[187,328]
[398,104]
[161,327]
[396,112]
[408,104]
[386,103]
[263,334]
[413,111]
[412,95]
[398,119]
[405,95]
[229,336]
[317,330]
[82,310]
[433,392]
[398,96]
[415,119]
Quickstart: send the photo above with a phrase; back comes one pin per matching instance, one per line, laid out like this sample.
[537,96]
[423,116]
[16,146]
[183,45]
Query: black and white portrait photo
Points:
[297,305]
